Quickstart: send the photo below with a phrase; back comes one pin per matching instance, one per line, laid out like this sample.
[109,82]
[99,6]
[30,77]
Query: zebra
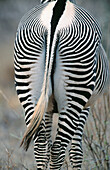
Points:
[60,66]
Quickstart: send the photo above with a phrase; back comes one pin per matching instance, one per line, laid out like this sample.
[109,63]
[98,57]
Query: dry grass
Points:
[97,137]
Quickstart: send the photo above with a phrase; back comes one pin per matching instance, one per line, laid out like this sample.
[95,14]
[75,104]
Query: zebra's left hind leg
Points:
[76,152]
[65,131]
[42,142]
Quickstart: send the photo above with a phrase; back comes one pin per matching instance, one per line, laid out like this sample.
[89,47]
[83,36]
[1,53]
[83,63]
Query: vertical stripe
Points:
[57,13]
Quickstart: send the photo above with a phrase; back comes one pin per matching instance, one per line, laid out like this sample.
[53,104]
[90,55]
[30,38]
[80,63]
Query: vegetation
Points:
[96,136]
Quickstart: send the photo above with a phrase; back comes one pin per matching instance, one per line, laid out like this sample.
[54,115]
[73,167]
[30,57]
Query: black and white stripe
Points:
[58,59]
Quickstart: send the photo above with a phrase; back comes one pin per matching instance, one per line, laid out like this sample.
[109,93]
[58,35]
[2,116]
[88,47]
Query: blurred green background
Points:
[11,114]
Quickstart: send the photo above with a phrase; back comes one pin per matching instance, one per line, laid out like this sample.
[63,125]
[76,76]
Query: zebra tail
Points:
[35,121]
[42,104]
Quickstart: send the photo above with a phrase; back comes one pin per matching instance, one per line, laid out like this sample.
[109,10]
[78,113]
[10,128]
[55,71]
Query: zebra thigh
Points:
[76,152]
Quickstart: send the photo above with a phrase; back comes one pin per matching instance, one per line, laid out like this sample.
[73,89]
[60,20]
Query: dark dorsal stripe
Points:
[57,13]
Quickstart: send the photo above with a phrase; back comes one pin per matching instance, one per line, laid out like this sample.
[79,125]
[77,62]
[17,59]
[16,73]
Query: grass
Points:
[96,136]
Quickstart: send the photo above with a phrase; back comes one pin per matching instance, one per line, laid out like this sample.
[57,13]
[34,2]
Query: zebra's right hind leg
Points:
[42,142]
[42,139]
[76,152]
[40,147]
